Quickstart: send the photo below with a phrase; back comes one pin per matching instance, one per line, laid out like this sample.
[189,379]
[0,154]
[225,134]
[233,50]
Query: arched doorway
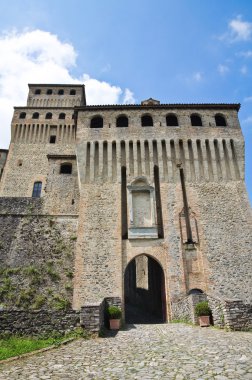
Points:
[144,291]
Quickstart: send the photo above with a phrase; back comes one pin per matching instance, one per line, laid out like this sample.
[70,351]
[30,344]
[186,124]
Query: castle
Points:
[142,205]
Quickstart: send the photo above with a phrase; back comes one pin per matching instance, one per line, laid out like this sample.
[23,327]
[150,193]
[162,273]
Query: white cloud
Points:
[98,92]
[238,30]
[128,97]
[223,69]
[244,70]
[246,54]
[38,56]
[197,77]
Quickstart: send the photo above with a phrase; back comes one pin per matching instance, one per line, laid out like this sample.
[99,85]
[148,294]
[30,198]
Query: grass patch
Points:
[17,345]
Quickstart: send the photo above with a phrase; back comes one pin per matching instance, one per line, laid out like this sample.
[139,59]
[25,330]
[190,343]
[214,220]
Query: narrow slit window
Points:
[52,139]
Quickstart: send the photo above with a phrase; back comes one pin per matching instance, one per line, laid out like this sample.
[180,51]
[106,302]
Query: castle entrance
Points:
[144,290]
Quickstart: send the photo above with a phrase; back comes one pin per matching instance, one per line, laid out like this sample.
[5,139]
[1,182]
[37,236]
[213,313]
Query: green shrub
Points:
[69,274]
[202,308]
[53,275]
[40,300]
[114,312]
[61,303]
[31,271]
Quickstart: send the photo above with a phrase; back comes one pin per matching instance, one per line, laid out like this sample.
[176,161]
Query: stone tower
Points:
[152,197]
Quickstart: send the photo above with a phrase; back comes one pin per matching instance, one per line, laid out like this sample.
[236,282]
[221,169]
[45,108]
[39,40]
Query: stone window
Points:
[48,115]
[61,92]
[22,115]
[196,120]
[35,115]
[66,168]
[72,92]
[122,121]
[49,91]
[147,121]
[37,187]
[62,115]
[142,223]
[171,120]
[96,122]
[220,121]
[52,139]
[37,91]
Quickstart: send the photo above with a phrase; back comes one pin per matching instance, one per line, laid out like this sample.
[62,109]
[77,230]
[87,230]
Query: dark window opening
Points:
[66,168]
[48,115]
[72,92]
[49,92]
[171,120]
[37,187]
[147,121]
[62,115]
[22,115]
[52,139]
[37,92]
[97,122]
[196,120]
[35,115]
[61,92]
[220,121]
[73,116]
[122,121]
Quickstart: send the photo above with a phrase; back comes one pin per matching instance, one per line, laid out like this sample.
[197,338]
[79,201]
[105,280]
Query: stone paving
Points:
[165,351]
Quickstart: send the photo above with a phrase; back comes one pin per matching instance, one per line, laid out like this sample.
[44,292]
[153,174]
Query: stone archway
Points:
[144,291]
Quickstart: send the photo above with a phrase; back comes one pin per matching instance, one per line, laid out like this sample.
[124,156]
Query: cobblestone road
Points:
[168,351]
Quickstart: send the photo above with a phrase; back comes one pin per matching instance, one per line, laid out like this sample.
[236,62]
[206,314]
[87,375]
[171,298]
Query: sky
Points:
[183,51]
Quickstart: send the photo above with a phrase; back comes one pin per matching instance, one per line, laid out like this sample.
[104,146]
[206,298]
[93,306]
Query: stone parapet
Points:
[23,322]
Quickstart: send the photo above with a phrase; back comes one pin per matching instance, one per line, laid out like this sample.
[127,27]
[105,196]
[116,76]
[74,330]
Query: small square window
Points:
[52,139]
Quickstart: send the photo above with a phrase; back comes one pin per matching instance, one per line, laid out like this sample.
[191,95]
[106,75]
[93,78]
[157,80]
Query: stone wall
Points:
[93,317]
[232,314]
[226,223]
[36,256]
[40,322]
[98,261]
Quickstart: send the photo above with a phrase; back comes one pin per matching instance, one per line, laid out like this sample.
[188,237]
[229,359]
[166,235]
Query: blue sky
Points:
[175,51]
